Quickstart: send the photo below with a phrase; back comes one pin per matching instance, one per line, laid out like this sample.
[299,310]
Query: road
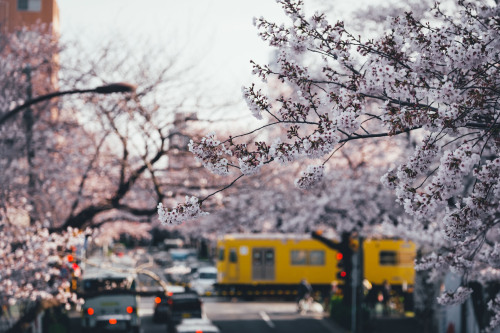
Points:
[242,317]
[265,317]
[230,315]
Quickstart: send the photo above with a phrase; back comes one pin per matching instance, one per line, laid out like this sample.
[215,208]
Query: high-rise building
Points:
[15,14]
[41,68]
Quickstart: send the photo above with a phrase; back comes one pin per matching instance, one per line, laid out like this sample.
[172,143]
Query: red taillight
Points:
[90,311]
[170,302]
[112,321]
[343,274]
[158,300]
[199,331]
[130,309]
[340,256]
[170,293]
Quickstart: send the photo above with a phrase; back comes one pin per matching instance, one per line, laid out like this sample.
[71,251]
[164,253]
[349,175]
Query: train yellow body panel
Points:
[276,262]
[274,259]
[391,260]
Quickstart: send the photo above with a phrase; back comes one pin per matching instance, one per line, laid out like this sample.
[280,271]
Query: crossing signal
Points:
[344,262]
[341,265]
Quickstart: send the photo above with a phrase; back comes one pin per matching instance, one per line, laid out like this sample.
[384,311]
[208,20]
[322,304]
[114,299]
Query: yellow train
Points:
[274,264]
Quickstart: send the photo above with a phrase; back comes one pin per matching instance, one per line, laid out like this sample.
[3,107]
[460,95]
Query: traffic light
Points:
[73,263]
[342,273]
[344,265]
[344,262]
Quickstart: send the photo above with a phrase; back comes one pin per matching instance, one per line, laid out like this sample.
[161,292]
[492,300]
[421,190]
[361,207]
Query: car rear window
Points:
[186,302]
[208,276]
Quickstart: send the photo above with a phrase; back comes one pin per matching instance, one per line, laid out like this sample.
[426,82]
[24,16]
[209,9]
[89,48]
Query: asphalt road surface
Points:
[232,315]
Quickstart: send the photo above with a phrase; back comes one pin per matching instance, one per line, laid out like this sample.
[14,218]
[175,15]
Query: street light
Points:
[120,87]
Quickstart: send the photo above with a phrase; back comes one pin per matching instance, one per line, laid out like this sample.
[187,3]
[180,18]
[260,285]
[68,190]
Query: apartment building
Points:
[15,14]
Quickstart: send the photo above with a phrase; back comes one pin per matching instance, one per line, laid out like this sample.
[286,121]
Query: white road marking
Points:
[266,318]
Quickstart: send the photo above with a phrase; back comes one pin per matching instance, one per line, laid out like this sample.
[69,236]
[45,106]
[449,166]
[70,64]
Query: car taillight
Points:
[170,293]
[112,321]
[90,311]
[158,300]
[130,309]
[170,302]
[199,331]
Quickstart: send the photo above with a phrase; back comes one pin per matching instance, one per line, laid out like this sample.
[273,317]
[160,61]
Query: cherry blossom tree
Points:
[34,269]
[98,161]
[434,76]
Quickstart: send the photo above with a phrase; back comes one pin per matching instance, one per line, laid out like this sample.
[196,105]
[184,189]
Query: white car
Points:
[194,325]
[204,281]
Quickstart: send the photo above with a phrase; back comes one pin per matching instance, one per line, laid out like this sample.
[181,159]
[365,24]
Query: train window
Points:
[388,258]
[270,255]
[233,257]
[299,257]
[221,254]
[317,258]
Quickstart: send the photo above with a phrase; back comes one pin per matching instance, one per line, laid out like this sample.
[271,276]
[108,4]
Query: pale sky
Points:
[219,33]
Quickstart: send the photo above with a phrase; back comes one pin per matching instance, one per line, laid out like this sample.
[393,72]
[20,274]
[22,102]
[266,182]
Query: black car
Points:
[182,306]
[161,303]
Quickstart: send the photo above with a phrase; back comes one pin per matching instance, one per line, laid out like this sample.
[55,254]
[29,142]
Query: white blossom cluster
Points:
[494,307]
[249,166]
[455,297]
[191,209]
[209,152]
[309,178]
[454,166]
[435,81]
[33,263]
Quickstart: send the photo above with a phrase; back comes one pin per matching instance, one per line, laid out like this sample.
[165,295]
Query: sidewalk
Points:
[394,324]
[382,324]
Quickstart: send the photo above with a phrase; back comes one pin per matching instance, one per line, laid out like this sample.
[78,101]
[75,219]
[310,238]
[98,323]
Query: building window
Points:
[29,5]
[388,258]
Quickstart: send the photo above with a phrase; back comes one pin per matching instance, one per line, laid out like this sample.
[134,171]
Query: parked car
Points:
[179,273]
[161,303]
[182,255]
[162,258]
[204,280]
[203,325]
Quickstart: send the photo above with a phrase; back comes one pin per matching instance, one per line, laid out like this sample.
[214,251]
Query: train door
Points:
[263,265]
[232,268]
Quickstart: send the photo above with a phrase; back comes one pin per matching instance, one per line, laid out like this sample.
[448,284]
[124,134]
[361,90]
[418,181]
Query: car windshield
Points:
[102,284]
[179,256]
[208,276]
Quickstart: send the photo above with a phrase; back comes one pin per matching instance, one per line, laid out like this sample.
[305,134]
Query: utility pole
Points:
[358,286]
[29,122]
